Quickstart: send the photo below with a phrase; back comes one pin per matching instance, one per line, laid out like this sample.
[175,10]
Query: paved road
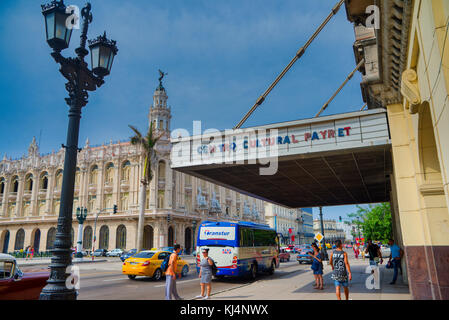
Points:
[104,281]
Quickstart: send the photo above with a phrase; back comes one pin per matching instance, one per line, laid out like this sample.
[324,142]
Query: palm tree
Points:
[147,143]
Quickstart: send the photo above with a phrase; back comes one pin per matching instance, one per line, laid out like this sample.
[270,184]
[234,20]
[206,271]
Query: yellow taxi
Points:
[147,263]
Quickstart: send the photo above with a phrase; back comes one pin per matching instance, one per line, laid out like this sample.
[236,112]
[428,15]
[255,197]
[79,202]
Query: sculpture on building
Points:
[246,209]
[214,204]
[201,200]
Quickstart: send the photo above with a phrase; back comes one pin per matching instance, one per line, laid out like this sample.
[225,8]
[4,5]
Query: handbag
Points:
[389,265]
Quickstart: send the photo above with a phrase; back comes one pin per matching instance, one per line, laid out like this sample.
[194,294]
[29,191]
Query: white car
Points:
[385,250]
[114,253]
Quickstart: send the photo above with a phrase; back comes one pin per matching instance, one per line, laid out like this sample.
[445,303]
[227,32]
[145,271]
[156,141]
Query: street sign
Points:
[319,236]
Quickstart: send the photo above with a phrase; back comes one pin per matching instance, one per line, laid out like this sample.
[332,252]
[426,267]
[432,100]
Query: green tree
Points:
[374,221]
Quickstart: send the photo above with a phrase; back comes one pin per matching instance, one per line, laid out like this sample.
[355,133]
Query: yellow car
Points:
[148,263]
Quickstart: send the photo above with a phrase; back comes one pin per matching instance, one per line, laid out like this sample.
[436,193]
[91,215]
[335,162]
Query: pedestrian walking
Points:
[375,255]
[317,267]
[170,275]
[31,253]
[28,252]
[356,250]
[205,274]
[341,270]
[396,254]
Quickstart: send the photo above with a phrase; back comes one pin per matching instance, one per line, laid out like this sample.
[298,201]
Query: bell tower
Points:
[160,113]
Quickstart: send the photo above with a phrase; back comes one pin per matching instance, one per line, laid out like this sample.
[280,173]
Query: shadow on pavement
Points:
[358,283]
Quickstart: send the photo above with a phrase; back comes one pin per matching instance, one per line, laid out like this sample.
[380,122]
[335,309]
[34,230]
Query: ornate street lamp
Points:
[80,80]
[58,35]
[81,215]
[102,55]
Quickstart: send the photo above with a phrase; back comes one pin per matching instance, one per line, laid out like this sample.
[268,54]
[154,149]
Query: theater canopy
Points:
[332,160]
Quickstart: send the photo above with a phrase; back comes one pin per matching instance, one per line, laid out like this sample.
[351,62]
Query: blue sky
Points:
[219,55]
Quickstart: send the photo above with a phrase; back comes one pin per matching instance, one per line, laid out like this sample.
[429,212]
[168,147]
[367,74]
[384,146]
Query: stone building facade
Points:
[108,175]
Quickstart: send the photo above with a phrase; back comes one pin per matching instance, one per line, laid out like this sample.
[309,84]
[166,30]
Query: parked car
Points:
[128,254]
[17,285]
[284,255]
[303,256]
[114,253]
[148,263]
[290,249]
[100,253]
[171,249]
[385,250]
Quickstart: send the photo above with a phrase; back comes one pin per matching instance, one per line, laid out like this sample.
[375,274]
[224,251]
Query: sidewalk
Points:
[46,261]
[296,283]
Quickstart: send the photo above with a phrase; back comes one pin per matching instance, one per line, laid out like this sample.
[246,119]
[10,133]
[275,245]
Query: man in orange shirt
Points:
[170,275]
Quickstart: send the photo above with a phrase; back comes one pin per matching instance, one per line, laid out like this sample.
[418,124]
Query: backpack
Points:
[165,263]
[214,268]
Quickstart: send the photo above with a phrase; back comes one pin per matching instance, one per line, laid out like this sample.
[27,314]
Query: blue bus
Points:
[239,248]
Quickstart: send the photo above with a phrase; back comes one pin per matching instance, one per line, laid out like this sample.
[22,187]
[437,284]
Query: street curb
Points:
[48,263]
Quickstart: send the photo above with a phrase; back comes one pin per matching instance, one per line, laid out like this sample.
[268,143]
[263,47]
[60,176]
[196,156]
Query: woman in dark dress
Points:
[317,267]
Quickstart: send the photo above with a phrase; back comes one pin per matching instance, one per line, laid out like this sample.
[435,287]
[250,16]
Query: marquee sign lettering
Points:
[280,140]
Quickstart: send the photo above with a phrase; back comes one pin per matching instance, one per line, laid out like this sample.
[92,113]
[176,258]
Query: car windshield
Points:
[99,250]
[144,254]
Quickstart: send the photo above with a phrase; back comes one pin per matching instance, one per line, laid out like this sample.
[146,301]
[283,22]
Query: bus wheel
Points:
[271,270]
[253,273]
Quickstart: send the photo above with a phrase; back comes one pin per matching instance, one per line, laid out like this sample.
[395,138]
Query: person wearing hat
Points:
[205,274]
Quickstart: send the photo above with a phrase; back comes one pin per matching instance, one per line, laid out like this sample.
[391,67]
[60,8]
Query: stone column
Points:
[5,200]
[168,186]
[49,196]
[19,204]
[100,186]
[34,194]
[116,184]
[154,189]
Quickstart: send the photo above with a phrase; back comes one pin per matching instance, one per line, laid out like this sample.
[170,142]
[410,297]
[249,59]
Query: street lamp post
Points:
[80,80]
[81,215]
[194,223]
[322,232]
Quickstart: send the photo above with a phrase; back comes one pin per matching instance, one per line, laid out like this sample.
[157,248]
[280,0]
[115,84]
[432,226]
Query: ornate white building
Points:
[108,175]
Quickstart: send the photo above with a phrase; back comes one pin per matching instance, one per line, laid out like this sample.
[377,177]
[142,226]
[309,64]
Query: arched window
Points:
[20,239]
[148,235]
[51,237]
[93,176]
[170,236]
[161,124]
[104,237]
[87,238]
[109,177]
[126,168]
[15,184]
[121,237]
[43,181]
[58,183]
[29,182]
[2,185]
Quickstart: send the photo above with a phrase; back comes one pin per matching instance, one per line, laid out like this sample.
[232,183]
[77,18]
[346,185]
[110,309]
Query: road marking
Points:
[180,282]
[116,279]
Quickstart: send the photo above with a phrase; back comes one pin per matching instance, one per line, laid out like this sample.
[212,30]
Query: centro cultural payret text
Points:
[314,135]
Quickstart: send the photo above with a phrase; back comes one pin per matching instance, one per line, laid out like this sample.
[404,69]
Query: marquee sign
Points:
[350,130]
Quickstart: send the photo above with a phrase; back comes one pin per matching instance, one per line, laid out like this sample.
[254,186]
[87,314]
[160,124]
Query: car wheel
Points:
[299,262]
[131,276]
[185,271]
[271,270]
[157,275]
